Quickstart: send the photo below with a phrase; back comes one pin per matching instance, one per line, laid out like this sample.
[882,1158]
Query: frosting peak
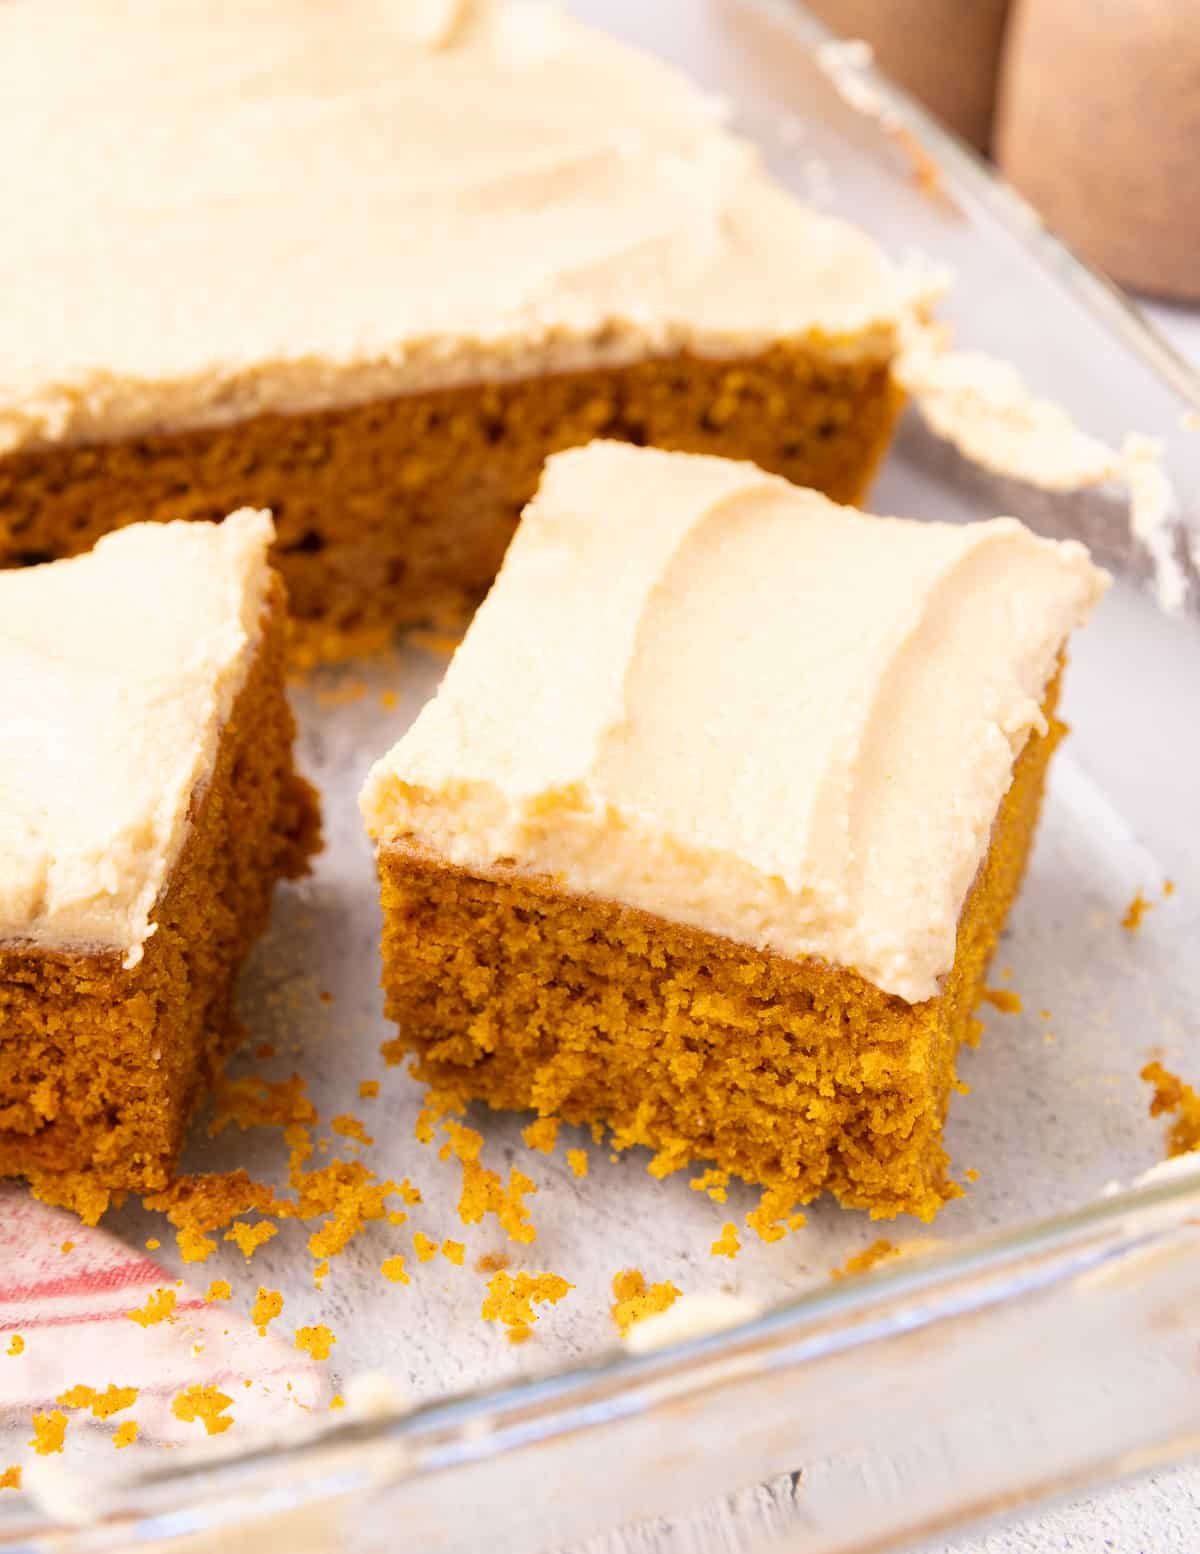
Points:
[292,204]
[699,690]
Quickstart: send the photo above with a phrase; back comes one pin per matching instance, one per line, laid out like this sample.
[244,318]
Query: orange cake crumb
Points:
[102,1404]
[1002,998]
[205,1403]
[393,1268]
[1173,1097]
[482,1189]
[454,1252]
[211,1200]
[971,1174]
[878,1252]
[511,1297]
[634,1300]
[350,1194]
[16,1344]
[368,1089]
[389,700]
[773,1217]
[316,1341]
[153,1244]
[713,1182]
[1135,912]
[267,1306]
[1168,887]
[727,1243]
[542,1135]
[248,1238]
[159,1307]
[320,1272]
[67,1246]
[125,1434]
[492,1262]
[265,1050]
[252,1101]
[577,1159]
[220,1289]
[10,1478]
[426,1247]
[49,1432]
[194,1245]
[351,1128]
[336,1401]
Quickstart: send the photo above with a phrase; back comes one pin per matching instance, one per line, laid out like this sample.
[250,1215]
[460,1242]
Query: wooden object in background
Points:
[1098,125]
[945,52]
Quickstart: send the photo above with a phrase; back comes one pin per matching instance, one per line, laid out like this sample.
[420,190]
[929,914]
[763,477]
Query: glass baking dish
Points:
[1042,1335]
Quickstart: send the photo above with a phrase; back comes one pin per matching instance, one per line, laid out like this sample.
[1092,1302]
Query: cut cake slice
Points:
[713,825]
[148,804]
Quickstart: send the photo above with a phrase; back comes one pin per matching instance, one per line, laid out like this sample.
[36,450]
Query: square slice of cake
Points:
[337,265]
[148,805]
[712,827]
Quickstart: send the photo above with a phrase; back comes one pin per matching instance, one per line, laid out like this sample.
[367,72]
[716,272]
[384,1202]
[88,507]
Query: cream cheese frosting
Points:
[215,208]
[701,691]
[118,670]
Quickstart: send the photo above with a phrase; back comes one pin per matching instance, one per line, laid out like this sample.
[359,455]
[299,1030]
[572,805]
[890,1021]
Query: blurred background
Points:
[1113,86]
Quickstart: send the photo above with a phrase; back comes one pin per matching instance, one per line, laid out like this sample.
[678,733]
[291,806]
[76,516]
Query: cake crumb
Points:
[320,1272]
[248,1238]
[971,1174]
[213,1199]
[194,1245]
[219,1289]
[393,1268]
[1168,887]
[125,1434]
[316,1341]
[634,1300]
[425,1246]
[205,1403]
[389,701]
[483,1192]
[542,1135]
[49,1432]
[493,1262]
[577,1160]
[454,1252]
[325,996]
[153,1244]
[267,1306]
[727,1243]
[11,1477]
[713,1182]
[16,1344]
[265,1050]
[251,1101]
[510,1300]
[368,1089]
[336,1401]
[1135,912]
[67,1246]
[1004,999]
[102,1404]
[1173,1097]
[159,1307]
[351,1128]
[773,1217]
[878,1252]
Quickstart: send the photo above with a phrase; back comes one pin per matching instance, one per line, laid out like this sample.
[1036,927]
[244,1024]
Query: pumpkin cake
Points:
[711,829]
[148,804]
[336,267]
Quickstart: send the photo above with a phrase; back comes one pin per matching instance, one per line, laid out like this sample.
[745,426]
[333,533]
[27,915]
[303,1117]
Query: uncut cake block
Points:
[148,804]
[711,829]
[337,267]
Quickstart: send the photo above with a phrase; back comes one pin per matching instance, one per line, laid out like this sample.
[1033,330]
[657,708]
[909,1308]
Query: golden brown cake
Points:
[148,804]
[358,283]
[713,825]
